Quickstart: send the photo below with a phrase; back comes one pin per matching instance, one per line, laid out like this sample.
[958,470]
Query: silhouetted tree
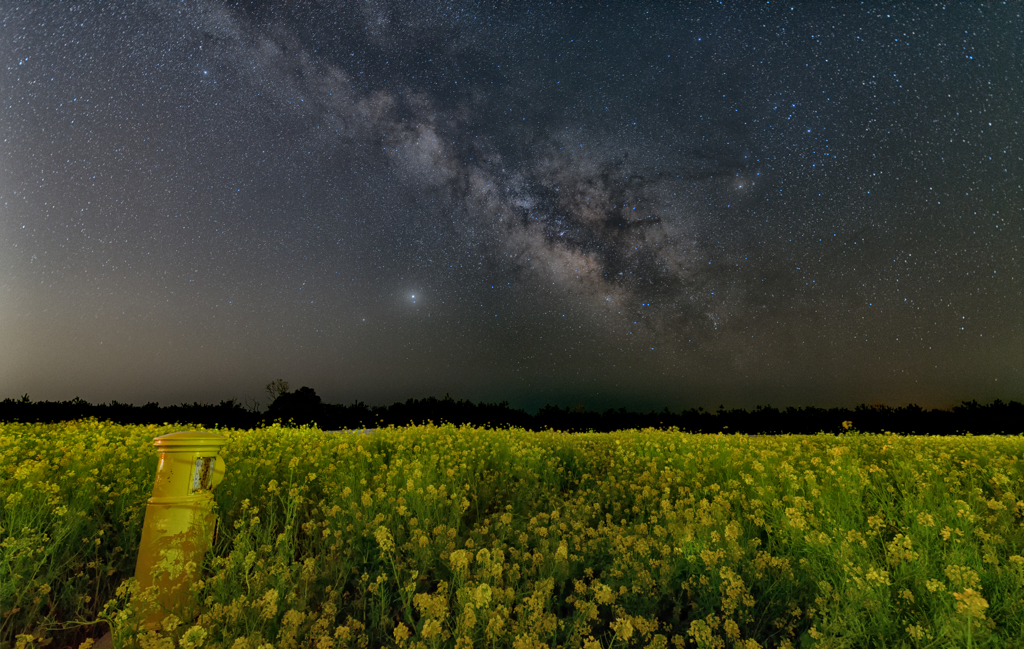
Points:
[302,407]
[276,388]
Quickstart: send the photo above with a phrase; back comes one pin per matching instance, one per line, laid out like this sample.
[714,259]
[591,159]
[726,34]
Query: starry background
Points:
[641,205]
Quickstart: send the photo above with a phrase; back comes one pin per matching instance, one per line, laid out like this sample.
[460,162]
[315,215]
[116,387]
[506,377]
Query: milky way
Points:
[641,205]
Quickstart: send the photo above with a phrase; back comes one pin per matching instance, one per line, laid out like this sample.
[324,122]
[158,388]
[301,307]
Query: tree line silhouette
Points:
[304,406]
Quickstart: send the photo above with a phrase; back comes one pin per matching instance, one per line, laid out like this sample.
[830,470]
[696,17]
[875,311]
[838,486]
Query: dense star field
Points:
[639,205]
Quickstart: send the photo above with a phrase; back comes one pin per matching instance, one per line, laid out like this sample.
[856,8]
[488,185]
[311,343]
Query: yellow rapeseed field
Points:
[444,536]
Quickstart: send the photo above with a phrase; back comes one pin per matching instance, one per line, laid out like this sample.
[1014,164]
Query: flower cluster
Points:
[442,536]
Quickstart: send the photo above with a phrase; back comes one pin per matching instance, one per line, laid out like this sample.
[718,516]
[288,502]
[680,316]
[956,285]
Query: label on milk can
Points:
[202,476]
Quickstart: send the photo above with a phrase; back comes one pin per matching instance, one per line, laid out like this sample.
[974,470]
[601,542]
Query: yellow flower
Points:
[623,629]
[482,595]
[401,633]
[170,623]
[194,637]
[268,604]
[469,617]
[460,560]
[432,628]
[879,576]
[796,519]
[385,540]
[562,553]
[917,632]
[293,618]
[962,576]
[733,531]
[972,602]
[603,594]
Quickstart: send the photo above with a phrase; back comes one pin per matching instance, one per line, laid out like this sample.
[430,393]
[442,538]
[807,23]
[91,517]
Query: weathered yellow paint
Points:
[180,521]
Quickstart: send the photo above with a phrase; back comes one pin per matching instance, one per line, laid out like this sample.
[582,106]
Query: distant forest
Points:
[304,406]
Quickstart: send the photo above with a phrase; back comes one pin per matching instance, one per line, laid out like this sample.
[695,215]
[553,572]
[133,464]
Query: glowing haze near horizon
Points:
[647,205]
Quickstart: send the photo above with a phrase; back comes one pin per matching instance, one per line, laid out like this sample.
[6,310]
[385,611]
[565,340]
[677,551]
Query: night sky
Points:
[640,205]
